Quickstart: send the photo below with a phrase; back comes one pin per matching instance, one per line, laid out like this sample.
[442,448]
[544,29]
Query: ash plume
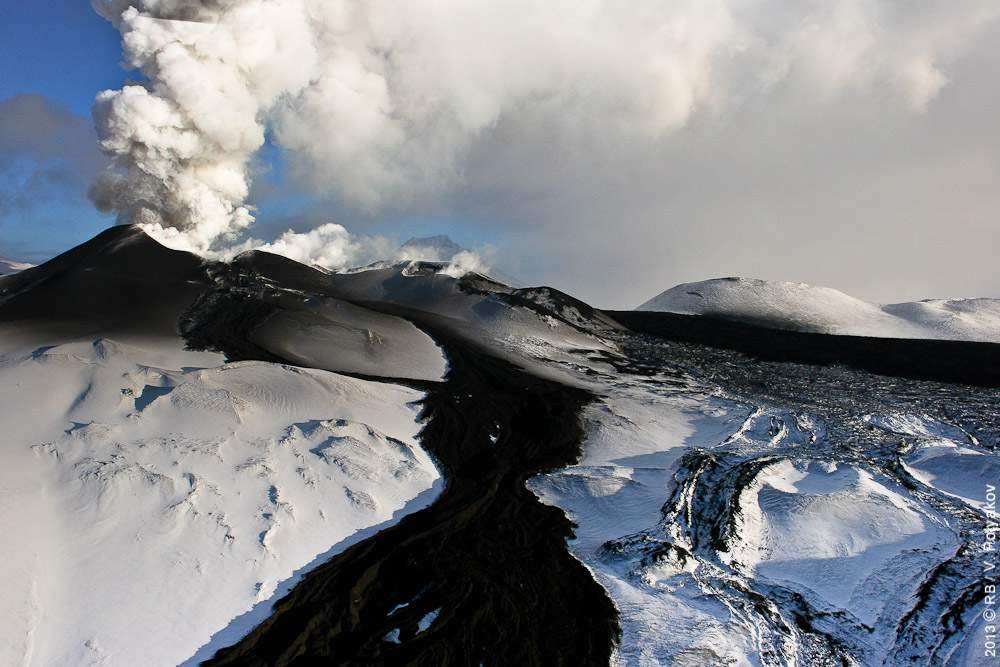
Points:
[380,104]
[182,142]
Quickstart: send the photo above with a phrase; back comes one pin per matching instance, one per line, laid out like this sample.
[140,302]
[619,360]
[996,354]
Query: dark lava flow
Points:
[952,361]
[486,555]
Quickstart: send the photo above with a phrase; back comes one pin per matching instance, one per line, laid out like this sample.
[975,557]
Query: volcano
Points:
[258,462]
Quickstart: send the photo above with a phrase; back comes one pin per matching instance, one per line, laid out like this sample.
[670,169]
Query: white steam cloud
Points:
[381,103]
[329,245]
[466,261]
[182,143]
[332,247]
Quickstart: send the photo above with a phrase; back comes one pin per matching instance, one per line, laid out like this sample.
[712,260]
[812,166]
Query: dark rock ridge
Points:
[942,360]
[121,281]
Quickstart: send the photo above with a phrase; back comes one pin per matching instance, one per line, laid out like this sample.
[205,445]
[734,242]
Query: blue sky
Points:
[63,51]
[59,48]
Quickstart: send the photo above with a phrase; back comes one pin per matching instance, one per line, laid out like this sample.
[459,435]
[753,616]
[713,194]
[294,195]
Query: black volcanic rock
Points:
[121,281]
[941,360]
[488,555]
[278,268]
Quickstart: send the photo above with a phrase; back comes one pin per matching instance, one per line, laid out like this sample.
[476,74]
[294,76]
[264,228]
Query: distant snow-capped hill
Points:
[9,266]
[441,248]
[438,248]
[802,307]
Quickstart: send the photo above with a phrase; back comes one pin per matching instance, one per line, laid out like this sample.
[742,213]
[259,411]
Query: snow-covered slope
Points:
[152,495]
[943,456]
[801,307]
[523,323]
[837,532]
[9,266]
[635,438]
[340,336]
[157,500]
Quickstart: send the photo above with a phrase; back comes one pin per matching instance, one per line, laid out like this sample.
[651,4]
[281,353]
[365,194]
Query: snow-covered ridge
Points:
[525,324]
[802,307]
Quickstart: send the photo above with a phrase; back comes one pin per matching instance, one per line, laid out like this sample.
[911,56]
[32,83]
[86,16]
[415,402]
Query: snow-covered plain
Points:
[802,307]
[152,495]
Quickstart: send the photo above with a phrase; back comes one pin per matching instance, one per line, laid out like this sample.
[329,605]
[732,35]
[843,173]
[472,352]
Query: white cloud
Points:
[467,261]
[330,246]
[385,106]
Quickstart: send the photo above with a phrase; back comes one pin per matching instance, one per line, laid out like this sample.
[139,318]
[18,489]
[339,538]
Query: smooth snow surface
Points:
[524,325]
[339,336]
[801,307]
[152,495]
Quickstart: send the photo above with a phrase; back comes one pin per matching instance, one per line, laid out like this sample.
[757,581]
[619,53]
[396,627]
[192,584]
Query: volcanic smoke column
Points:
[181,144]
[379,103]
